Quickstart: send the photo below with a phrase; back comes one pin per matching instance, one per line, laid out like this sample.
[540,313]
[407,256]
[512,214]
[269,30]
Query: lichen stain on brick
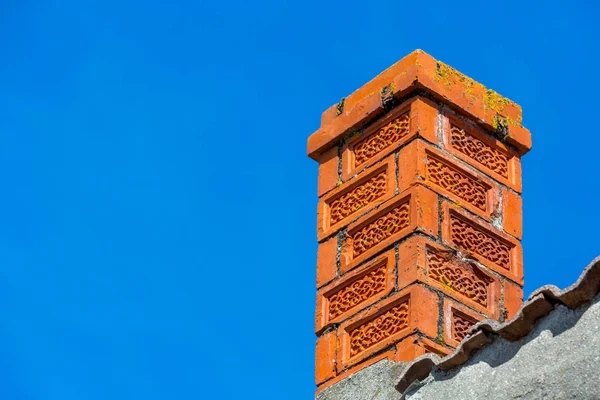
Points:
[497,103]
[449,76]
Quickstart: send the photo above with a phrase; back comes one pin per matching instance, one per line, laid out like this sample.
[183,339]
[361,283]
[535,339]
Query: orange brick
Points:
[328,171]
[421,163]
[325,357]
[416,117]
[424,120]
[340,206]
[415,210]
[326,264]
[329,115]
[343,375]
[406,66]
[519,137]
[356,291]
[482,242]
[513,298]
[415,346]
[484,152]
[457,321]
[512,213]
[414,309]
[367,109]
[421,259]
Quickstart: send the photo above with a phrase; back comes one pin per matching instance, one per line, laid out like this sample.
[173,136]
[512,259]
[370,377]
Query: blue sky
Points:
[158,234]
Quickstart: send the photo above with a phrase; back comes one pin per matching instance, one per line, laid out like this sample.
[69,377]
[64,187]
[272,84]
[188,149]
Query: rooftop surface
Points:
[540,303]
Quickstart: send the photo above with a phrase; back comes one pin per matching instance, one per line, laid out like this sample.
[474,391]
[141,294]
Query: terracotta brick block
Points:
[416,117]
[457,321]
[415,346]
[513,298]
[424,120]
[326,264]
[482,242]
[390,355]
[344,204]
[422,163]
[487,154]
[512,213]
[325,357]
[356,291]
[413,309]
[421,259]
[328,171]
[520,138]
[415,210]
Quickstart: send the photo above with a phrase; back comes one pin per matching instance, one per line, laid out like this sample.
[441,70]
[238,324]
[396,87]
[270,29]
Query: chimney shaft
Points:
[419,216]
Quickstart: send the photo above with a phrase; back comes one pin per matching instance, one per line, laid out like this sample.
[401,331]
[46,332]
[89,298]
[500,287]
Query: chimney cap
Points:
[420,71]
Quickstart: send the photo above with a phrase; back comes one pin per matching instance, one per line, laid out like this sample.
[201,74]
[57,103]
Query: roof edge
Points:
[539,304]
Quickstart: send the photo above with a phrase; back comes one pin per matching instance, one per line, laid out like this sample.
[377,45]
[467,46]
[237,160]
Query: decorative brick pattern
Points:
[415,210]
[381,229]
[415,118]
[475,146]
[456,277]
[456,182]
[422,164]
[386,323]
[473,239]
[458,319]
[351,199]
[382,327]
[461,325]
[420,259]
[478,151]
[357,198]
[483,242]
[385,137]
[357,292]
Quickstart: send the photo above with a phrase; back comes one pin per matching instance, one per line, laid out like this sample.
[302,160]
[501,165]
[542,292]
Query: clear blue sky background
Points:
[158,227]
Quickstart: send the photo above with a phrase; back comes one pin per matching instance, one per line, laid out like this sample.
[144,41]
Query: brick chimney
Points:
[419,216]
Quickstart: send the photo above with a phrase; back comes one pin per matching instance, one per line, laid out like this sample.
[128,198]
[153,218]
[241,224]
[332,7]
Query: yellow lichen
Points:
[494,102]
[449,77]
[497,103]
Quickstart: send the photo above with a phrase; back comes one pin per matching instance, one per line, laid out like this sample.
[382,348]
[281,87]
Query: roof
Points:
[539,304]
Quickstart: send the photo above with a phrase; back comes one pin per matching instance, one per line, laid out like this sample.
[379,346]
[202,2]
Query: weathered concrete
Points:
[559,359]
[375,382]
